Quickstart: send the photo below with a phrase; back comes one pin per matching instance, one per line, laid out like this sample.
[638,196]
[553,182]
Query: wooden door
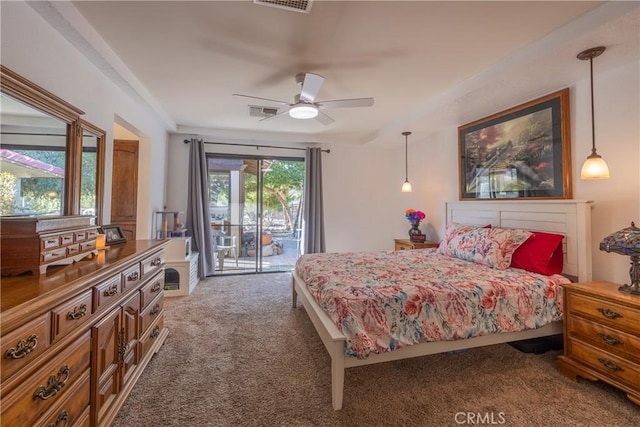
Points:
[124,186]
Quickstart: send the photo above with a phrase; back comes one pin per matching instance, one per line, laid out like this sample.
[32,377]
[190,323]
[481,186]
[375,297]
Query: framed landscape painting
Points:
[520,153]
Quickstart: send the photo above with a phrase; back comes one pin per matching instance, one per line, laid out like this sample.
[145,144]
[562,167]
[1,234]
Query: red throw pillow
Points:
[540,253]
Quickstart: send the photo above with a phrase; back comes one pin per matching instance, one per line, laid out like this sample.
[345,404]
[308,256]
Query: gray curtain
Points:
[313,205]
[198,218]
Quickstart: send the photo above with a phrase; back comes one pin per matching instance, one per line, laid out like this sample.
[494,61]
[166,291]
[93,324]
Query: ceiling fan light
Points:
[303,111]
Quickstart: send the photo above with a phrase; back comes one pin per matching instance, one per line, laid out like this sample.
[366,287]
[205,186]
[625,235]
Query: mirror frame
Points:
[100,155]
[29,93]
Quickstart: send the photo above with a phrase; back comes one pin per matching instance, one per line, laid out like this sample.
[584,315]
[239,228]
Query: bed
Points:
[350,347]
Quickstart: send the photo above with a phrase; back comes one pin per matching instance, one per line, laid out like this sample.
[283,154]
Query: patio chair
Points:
[224,245]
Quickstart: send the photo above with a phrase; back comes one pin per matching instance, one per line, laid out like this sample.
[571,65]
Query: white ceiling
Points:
[415,58]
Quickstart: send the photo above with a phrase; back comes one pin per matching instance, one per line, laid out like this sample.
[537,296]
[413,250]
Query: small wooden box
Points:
[31,244]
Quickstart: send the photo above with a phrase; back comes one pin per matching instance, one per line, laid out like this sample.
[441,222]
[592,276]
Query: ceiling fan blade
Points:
[275,116]
[345,103]
[324,119]
[311,86]
[263,99]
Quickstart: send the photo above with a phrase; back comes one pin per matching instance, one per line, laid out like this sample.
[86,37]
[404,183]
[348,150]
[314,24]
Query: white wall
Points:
[32,48]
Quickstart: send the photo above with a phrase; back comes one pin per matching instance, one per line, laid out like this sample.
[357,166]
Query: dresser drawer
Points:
[25,344]
[605,312]
[149,314]
[48,386]
[80,235]
[73,249]
[610,340]
[73,408]
[66,239]
[131,277]
[87,246]
[107,292]
[52,255]
[71,314]
[150,336]
[152,263]
[92,234]
[49,242]
[151,290]
[606,363]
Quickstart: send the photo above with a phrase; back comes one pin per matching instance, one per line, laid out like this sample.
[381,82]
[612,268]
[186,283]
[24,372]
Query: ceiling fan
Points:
[304,106]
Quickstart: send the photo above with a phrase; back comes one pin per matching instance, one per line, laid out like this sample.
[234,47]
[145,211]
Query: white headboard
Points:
[571,218]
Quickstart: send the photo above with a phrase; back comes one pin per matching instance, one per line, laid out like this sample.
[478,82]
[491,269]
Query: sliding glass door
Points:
[255,205]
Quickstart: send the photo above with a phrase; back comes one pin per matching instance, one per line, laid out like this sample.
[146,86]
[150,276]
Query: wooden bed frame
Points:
[568,217]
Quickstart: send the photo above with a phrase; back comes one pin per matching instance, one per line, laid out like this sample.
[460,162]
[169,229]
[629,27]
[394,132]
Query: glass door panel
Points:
[255,209]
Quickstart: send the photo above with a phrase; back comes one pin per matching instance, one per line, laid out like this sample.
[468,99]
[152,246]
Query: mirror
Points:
[51,161]
[32,160]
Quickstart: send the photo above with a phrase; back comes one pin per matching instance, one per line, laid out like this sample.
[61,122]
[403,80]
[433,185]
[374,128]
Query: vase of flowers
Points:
[414,217]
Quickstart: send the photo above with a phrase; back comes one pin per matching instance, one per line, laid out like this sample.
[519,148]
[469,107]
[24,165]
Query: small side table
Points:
[406,244]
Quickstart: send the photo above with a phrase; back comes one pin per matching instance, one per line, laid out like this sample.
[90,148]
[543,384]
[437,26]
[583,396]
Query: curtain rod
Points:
[187,141]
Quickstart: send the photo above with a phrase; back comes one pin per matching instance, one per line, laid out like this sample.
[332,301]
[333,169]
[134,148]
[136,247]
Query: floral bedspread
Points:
[385,300]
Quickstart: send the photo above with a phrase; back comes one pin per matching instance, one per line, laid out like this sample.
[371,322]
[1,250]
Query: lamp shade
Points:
[624,242]
[594,168]
[305,111]
[406,187]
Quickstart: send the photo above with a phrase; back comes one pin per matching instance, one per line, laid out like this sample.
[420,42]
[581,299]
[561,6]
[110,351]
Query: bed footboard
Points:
[330,335]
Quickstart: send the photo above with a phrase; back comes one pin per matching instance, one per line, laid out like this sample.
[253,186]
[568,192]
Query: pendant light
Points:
[594,167]
[406,186]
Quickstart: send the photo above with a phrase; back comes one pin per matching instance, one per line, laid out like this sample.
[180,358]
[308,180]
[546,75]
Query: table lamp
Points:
[626,242]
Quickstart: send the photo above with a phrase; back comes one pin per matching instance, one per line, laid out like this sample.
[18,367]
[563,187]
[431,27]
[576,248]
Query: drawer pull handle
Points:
[56,382]
[608,339]
[110,291]
[133,276]
[609,314]
[52,241]
[156,261]
[77,312]
[154,334]
[23,348]
[156,287]
[156,309]
[610,365]
[64,416]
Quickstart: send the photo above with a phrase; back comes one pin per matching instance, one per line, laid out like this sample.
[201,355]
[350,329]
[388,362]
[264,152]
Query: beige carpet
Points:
[239,355]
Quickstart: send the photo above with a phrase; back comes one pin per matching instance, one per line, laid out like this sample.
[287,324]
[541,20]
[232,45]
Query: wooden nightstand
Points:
[404,244]
[602,336]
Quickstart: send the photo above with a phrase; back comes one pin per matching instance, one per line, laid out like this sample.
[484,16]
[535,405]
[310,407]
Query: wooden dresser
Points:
[602,336]
[76,339]
[405,244]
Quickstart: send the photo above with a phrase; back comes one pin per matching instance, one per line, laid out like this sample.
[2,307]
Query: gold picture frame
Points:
[520,153]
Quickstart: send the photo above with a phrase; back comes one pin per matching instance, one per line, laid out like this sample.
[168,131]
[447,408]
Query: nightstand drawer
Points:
[406,244]
[610,340]
[605,363]
[605,312]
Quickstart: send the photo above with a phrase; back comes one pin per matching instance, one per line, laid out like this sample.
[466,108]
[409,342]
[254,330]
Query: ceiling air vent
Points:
[303,6]
[262,112]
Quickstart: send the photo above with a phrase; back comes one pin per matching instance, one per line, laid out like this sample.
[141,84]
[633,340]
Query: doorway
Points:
[255,205]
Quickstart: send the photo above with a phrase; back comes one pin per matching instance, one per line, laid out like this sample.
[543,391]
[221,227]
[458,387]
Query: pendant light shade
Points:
[594,167]
[406,186]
